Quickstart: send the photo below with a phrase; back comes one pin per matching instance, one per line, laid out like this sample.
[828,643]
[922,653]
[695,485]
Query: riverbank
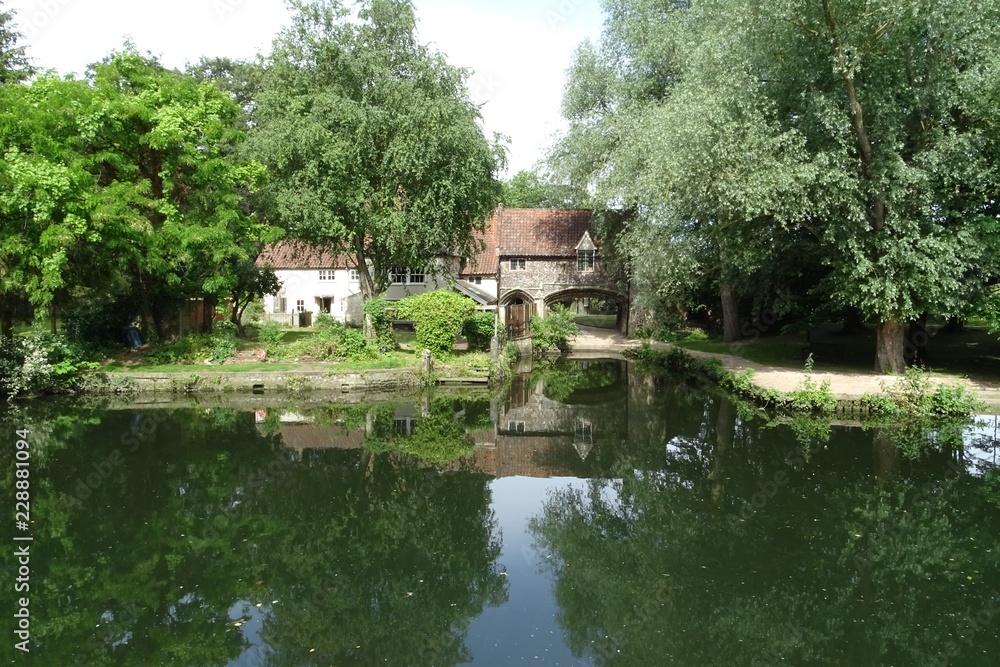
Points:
[845,386]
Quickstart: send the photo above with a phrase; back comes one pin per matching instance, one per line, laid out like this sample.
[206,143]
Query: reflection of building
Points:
[533,435]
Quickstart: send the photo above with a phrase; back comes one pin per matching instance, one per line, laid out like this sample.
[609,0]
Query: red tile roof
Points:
[485,262]
[540,232]
[297,255]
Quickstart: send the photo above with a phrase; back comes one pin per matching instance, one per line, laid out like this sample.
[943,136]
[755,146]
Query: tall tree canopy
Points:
[371,141]
[860,134]
[123,184]
[15,66]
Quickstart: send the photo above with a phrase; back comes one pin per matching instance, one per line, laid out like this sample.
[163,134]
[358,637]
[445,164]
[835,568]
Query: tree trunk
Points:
[730,315]
[889,347]
[236,317]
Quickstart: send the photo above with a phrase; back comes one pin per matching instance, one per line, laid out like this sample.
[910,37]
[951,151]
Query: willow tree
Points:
[373,145]
[864,131]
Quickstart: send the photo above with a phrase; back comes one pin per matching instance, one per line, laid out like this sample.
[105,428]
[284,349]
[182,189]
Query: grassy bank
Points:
[915,395]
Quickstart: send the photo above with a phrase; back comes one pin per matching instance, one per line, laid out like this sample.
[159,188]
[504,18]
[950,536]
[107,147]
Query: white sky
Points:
[519,50]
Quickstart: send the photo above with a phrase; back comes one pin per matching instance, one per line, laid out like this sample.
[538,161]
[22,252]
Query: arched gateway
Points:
[550,256]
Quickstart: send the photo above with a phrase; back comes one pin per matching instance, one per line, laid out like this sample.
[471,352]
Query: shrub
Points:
[324,320]
[438,316]
[336,343]
[377,312]
[189,349]
[270,334]
[224,346]
[478,330]
[554,331]
[40,363]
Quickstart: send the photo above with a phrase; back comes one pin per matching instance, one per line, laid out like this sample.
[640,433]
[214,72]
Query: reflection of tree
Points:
[124,567]
[832,565]
[380,552]
[380,564]
[562,378]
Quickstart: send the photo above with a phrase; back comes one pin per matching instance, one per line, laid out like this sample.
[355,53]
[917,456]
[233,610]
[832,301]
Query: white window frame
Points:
[353,275]
[412,277]
[476,280]
[586,260]
[300,305]
[398,275]
[326,275]
[518,264]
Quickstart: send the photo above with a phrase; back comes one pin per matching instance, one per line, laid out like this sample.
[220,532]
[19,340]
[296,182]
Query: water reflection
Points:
[693,531]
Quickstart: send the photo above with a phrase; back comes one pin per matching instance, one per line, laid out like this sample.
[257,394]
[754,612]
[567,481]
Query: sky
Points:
[518,50]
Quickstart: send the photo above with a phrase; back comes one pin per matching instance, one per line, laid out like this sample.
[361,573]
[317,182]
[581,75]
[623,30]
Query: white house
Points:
[317,280]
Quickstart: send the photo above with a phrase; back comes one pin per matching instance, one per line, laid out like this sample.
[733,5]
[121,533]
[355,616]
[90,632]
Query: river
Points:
[591,515]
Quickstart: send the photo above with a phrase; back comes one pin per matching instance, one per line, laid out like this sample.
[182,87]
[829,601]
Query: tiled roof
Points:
[296,255]
[541,232]
[485,262]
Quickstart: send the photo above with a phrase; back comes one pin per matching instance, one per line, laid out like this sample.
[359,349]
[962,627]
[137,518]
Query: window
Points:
[585,260]
[326,274]
[300,306]
[584,432]
[353,275]
[518,264]
[281,305]
[401,275]
[515,427]
[476,280]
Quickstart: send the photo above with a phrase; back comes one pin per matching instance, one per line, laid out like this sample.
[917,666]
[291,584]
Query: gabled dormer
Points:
[586,251]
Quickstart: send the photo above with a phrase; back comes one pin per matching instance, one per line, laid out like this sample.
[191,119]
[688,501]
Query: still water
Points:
[593,515]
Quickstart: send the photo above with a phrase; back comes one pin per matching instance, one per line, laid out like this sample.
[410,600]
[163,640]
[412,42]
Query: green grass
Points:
[601,321]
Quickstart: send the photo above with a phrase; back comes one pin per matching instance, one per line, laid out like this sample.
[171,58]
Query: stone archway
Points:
[574,293]
[516,308]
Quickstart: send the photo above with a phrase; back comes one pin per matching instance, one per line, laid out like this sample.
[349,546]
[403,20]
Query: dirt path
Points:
[845,385]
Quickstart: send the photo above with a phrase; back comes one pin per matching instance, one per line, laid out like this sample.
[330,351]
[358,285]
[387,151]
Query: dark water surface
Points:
[593,516]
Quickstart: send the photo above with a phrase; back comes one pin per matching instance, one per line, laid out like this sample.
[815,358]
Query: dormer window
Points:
[585,253]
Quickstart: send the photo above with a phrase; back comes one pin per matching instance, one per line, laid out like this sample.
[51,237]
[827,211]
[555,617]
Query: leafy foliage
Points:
[439,317]
[40,363]
[371,140]
[478,329]
[554,331]
[377,312]
[332,343]
[869,153]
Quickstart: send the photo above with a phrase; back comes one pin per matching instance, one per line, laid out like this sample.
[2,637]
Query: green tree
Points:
[863,129]
[46,192]
[15,66]
[371,140]
[529,189]
[162,153]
